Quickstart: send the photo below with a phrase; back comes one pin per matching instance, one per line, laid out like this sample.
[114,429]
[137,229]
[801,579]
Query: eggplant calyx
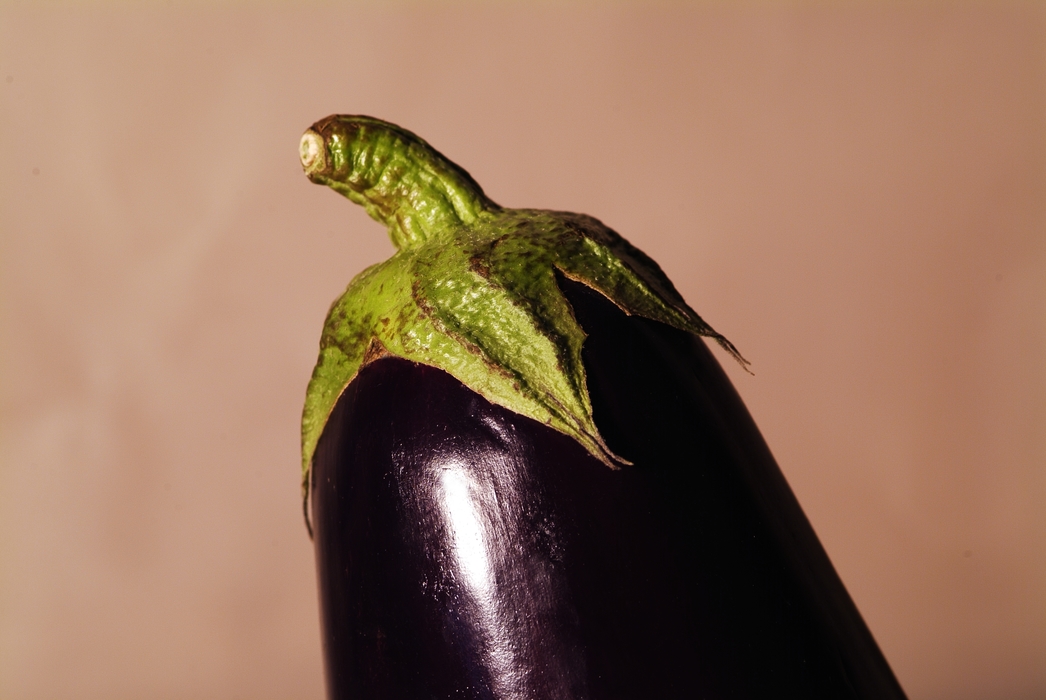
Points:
[472,288]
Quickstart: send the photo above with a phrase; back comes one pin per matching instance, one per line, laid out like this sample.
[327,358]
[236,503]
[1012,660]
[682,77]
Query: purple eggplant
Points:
[472,547]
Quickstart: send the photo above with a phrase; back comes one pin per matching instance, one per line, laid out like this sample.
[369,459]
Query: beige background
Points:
[853,193]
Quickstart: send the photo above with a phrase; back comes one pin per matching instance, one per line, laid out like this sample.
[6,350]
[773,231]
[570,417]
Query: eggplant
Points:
[529,476]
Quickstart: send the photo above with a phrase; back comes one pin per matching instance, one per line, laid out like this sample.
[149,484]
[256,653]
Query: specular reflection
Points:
[469,507]
[462,514]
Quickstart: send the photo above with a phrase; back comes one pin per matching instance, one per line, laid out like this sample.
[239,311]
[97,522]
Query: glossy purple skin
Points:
[465,551]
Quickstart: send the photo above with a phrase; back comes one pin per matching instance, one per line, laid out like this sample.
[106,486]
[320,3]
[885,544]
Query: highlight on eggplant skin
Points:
[465,551]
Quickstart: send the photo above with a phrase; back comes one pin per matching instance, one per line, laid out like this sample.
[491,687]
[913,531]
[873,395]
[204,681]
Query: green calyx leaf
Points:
[472,287]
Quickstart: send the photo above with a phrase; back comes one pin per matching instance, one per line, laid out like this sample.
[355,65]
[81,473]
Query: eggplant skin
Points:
[465,551]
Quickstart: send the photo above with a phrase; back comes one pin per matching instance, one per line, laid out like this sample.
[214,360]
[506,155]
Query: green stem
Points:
[396,176]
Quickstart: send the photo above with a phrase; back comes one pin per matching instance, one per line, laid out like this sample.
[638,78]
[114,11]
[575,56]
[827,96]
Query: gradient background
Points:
[854,193]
